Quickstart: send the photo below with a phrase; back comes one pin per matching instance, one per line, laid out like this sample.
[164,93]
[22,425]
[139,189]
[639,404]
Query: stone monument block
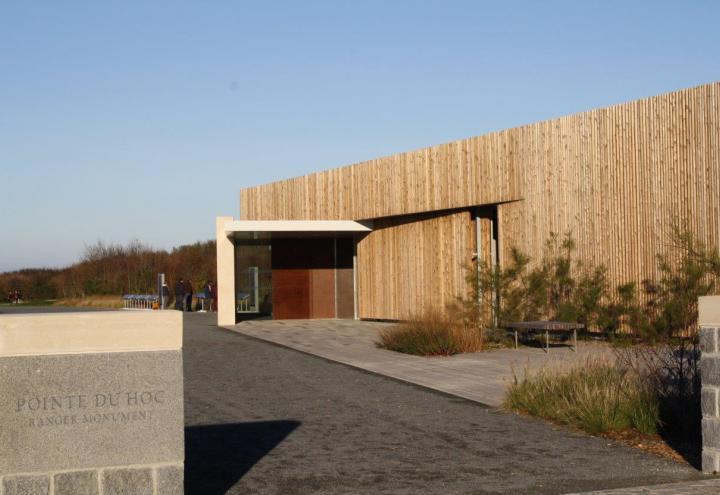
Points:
[709,322]
[91,403]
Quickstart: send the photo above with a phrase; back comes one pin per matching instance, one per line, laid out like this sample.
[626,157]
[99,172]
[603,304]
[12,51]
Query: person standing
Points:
[207,293]
[164,295]
[179,294]
[188,295]
[213,296]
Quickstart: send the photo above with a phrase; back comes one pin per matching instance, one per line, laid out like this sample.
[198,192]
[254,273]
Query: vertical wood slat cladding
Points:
[614,177]
[407,265]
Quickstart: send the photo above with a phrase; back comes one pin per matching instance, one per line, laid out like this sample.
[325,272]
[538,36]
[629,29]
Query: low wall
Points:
[709,320]
[91,403]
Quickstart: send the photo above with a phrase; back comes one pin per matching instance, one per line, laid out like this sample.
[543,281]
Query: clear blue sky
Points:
[137,119]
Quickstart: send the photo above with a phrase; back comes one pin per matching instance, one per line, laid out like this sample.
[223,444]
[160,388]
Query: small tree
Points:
[556,287]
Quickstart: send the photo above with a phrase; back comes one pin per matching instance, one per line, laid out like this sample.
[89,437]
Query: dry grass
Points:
[595,396]
[110,302]
[431,334]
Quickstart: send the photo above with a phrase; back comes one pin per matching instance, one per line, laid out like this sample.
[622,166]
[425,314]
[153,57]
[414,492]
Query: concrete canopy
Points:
[264,229]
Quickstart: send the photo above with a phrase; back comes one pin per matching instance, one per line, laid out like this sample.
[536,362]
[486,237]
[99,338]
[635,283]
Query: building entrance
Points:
[312,278]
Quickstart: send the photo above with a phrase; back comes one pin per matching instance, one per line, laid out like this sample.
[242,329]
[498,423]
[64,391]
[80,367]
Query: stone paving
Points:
[481,377]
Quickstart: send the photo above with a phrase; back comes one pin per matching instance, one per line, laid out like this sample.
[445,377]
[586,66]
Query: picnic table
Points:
[546,327]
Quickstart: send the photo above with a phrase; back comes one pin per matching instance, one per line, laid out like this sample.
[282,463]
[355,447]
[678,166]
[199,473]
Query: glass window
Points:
[253,276]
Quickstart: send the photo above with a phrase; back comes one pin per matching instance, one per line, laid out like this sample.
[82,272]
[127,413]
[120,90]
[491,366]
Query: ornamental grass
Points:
[594,396]
[431,334]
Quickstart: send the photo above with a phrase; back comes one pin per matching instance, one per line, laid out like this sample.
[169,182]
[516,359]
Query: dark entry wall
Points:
[303,277]
[345,279]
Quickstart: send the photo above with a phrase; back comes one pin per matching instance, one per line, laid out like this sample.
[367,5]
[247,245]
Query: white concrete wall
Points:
[40,334]
[225,274]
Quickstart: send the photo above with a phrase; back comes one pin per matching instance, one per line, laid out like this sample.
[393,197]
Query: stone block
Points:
[75,411]
[709,402]
[84,393]
[710,461]
[135,481]
[711,433]
[26,485]
[170,480]
[708,339]
[76,483]
[709,311]
[710,370]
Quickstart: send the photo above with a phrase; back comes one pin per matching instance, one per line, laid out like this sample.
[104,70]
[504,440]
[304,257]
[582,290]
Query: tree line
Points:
[116,269]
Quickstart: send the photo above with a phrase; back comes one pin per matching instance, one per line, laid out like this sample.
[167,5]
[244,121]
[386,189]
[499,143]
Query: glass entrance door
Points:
[253,277]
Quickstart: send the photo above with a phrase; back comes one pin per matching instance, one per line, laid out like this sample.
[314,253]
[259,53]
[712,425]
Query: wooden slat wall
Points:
[447,176]
[614,177]
[409,265]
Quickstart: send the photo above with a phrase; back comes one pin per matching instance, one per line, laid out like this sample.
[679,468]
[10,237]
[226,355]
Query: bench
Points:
[546,327]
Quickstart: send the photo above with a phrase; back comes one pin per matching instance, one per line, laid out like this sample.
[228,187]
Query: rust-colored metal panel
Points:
[291,293]
[303,278]
[322,293]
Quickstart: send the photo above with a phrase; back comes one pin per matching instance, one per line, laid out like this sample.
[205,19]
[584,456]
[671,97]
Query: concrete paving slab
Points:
[482,377]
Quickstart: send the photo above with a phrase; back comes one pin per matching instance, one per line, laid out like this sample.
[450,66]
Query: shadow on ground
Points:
[217,456]
[682,418]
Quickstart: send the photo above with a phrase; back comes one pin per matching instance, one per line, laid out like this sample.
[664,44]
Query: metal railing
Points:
[140,301]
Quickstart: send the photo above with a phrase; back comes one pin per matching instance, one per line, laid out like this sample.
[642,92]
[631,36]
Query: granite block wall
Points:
[709,319]
[163,479]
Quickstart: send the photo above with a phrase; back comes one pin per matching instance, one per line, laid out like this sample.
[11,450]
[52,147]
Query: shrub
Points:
[114,269]
[555,287]
[672,299]
[431,334]
[595,396]
[558,287]
[665,308]
[672,371]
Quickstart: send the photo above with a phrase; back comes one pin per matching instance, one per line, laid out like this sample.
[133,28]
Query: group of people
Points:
[14,296]
[184,294]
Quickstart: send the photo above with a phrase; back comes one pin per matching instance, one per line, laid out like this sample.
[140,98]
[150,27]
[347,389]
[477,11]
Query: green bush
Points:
[558,287]
[430,334]
[595,396]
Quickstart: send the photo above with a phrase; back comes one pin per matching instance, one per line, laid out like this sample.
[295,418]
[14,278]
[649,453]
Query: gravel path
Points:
[265,419]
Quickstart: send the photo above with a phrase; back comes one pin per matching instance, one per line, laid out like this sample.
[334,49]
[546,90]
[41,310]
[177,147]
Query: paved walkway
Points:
[481,377]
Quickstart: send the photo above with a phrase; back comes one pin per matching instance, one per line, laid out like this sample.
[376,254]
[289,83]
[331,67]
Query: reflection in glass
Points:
[253,276]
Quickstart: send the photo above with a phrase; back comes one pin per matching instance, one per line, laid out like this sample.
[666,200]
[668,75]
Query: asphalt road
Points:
[269,420]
